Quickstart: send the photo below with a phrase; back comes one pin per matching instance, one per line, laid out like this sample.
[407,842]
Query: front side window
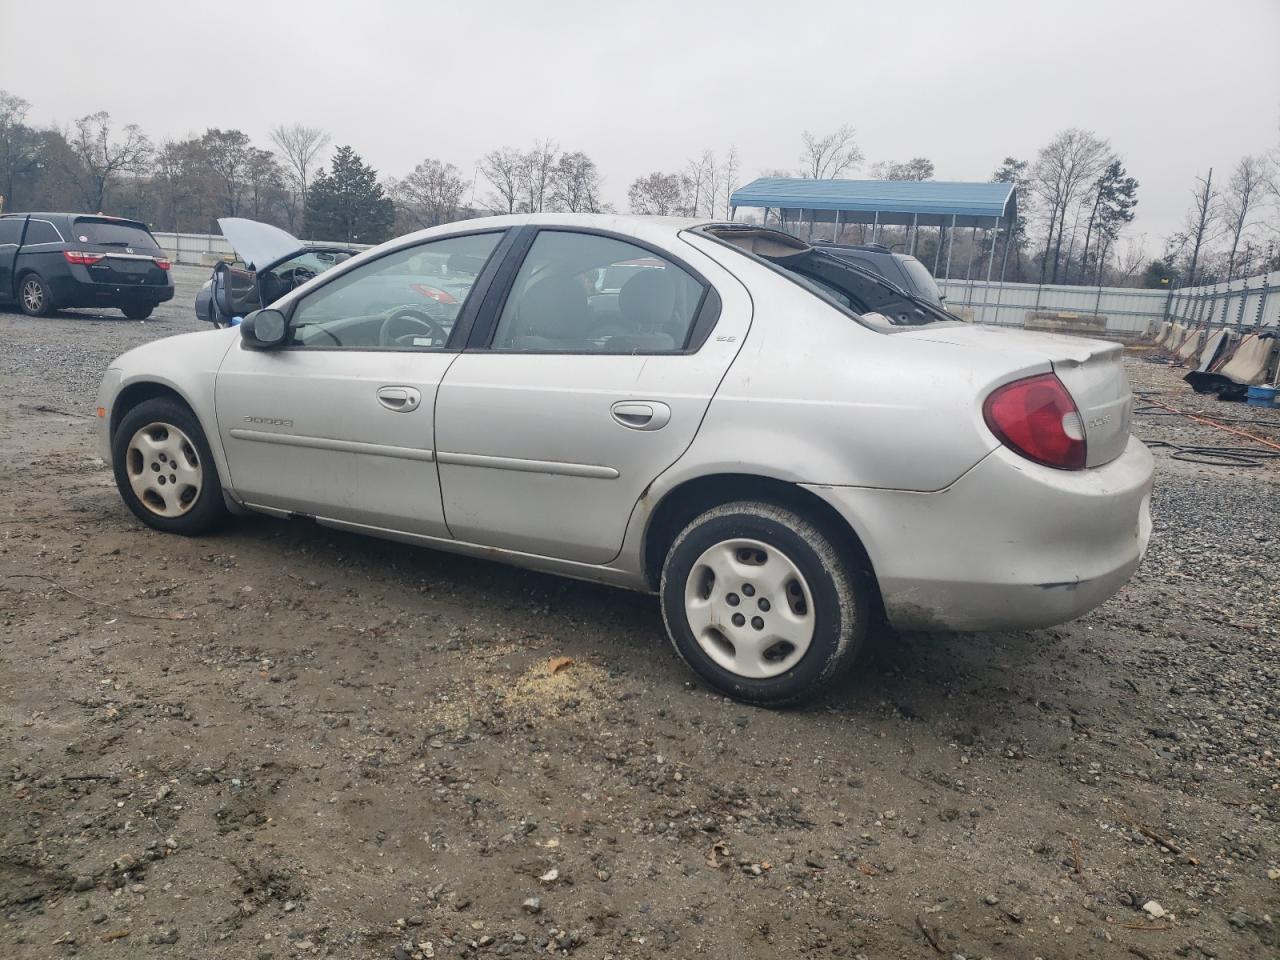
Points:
[10,230]
[407,300]
[584,293]
[296,271]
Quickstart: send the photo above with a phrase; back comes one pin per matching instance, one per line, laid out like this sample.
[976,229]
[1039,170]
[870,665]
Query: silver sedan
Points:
[781,446]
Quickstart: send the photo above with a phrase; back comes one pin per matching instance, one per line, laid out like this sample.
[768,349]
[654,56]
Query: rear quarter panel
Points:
[815,397]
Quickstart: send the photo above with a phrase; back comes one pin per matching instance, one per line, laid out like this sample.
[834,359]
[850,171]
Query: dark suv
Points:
[900,269]
[53,260]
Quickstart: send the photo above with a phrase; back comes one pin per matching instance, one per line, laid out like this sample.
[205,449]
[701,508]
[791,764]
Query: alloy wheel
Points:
[749,608]
[33,295]
[164,469]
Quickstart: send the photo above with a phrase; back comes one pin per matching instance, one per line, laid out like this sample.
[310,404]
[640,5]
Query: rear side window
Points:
[41,231]
[112,233]
[10,231]
[584,293]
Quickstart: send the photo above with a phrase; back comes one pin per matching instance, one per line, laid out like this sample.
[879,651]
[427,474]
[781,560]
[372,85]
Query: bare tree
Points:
[825,158]
[1202,220]
[1063,170]
[729,178]
[503,169]
[536,170]
[699,183]
[264,182]
[228,154]
[19,146]
[575,184]
[658,194]
[300,147]
[917,168]
[431,194]
[103,158]
[1244,192]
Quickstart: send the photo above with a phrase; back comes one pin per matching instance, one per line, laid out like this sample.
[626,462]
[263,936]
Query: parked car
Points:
[49,261]
[900,269]
[269,263]
[725,429]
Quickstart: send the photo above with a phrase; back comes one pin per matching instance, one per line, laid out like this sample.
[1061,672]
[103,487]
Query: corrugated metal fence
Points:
[1254,301]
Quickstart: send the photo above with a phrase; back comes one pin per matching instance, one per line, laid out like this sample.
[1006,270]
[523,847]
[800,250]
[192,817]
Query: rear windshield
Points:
[922,280]
[114,233]
[843,283]
[831,276]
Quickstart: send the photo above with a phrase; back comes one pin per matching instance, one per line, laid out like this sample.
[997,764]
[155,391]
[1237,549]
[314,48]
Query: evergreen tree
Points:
[347,203]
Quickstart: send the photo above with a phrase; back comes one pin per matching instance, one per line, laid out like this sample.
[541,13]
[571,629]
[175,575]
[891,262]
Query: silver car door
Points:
[595,379]
[338,423]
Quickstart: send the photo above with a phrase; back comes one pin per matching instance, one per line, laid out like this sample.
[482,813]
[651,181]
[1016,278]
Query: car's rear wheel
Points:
[760,602]
[33,296]
[164,469]
[138,312]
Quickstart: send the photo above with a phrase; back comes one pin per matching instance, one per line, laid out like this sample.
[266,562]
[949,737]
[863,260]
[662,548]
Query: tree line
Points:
[1075,196]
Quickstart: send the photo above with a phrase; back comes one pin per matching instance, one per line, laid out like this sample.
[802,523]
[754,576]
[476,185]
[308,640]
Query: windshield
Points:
[114,233]
[922,280]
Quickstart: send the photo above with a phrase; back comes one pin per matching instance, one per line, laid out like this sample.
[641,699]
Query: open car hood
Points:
[259,244]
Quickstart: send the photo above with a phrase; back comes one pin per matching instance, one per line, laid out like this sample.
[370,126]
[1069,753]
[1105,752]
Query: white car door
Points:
[594,379]
[338,422]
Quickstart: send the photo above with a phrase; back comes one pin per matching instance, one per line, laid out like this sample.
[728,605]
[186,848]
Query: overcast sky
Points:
[1176,86]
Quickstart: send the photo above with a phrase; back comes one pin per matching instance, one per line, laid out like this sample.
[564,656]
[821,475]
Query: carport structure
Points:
[946,205]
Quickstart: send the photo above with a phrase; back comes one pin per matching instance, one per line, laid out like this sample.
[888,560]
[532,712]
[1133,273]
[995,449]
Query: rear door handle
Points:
[641,414]
[399,399]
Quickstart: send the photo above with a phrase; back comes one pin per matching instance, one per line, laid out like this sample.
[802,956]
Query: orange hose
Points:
[1211,423]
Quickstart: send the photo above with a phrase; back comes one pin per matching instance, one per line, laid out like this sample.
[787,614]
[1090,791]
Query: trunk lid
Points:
[1091,370]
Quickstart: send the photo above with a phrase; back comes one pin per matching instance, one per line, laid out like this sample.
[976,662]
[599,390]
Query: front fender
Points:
[187,365]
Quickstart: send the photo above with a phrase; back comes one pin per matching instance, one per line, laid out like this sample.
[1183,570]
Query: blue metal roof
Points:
[932,201]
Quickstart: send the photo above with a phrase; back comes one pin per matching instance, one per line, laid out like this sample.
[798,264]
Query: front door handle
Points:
[399,399]
[641,414]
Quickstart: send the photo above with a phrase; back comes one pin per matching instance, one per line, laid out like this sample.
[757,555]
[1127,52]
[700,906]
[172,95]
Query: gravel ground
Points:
[283,742]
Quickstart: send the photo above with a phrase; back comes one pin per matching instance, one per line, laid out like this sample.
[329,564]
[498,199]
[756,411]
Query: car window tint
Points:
[41,231]
[407,300]
[115,234]
[10,230]
[584,293]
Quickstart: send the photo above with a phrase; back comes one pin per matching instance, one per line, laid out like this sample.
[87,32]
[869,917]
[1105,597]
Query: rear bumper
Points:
[1011,545]
[69,291]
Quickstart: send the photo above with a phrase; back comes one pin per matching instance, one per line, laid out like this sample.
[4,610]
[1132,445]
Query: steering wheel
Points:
[411,318]
[297,276]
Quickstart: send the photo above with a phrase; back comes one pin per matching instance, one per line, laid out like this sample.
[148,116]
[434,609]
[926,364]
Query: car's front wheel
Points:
[34,296]
[760,602]
[138,311]
[164,469]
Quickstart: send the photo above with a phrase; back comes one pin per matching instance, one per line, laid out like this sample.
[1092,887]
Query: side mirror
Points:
[263,329]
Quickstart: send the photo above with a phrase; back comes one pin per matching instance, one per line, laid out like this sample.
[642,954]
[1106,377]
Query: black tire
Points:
[839,592]
[206,510]
[34,295]
[138,312]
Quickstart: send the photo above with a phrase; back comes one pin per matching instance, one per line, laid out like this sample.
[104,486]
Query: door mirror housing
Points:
[264,329]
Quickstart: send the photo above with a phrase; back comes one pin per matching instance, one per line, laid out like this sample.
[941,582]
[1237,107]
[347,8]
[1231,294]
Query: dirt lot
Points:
[286,742]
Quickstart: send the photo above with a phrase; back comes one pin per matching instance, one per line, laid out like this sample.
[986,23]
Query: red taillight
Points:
[82,257]
[1037,419]
[161,262]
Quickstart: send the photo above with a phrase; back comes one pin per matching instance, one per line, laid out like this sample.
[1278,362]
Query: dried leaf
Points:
[556,664]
